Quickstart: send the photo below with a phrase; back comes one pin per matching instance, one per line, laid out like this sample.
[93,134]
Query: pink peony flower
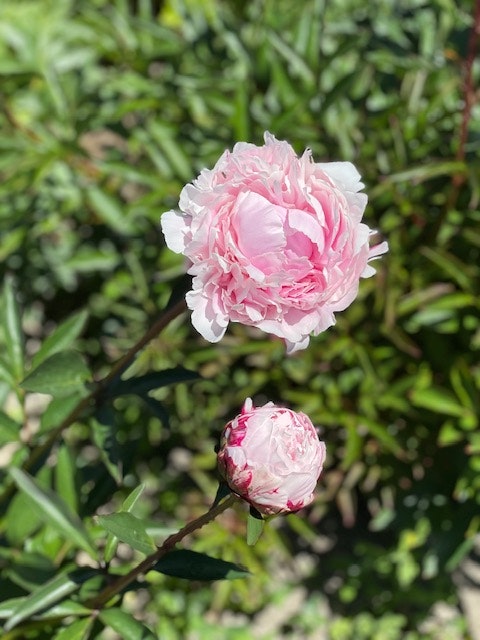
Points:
[271,457]
[273,240]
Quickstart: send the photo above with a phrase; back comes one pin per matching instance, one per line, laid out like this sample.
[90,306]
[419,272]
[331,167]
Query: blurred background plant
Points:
[107,108]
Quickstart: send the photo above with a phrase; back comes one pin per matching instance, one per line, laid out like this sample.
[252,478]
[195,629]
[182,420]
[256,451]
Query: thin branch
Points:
[123,581]
[86,403]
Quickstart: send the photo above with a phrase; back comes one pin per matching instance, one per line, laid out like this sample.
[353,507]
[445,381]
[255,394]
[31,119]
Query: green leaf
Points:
[191,565]
[57,411]
[54,511]
[125,625]
[66,607]
[222,492]
[129,529]
[7,607]
[13,329]
[30,570]
[255,524]
[78,630]
[176,156]
[62,338]
[6,374]
[128,504]
[9,429]
[65,477]
[131,500]
[48,594]
[62,374]
[109,210]
[380,432]
[154,380]
[439,401]
[104,435]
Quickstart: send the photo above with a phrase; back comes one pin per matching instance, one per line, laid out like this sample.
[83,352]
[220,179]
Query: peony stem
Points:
[146,565]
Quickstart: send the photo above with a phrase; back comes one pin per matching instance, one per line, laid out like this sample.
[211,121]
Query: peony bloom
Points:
[273,240]
[271,457]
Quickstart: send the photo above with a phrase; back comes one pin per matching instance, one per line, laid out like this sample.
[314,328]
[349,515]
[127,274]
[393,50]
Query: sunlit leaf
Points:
[129,529]
[125,624]
[54,511]
[47,595]
[255,525]
[13,329]
[127,505]
[62,338]
[77,630]
[62,374]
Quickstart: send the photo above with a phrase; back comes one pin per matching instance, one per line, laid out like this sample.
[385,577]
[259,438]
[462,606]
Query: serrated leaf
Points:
[54,511]
[9,429]
[48,594]
[255,524]
[62,338]
[125,624]
[12,329]
[129,529]
[61,375]
[191,565]
[154,380]
[77,630]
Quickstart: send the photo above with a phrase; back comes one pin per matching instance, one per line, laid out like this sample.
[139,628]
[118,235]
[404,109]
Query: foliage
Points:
[107,109]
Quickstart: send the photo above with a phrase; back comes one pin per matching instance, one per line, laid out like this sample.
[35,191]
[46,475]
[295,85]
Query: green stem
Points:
[121,582]
[100,386]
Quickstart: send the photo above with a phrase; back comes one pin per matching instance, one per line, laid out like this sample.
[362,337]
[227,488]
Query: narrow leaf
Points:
[198,566]
[6,374]
[62,338]
[222,492]
[62,374]
[154,380]
[48,594]
[9,429]
[104,435]
[128,504]
[125,625]
[54,511]
[255,524]
[129,529]
[13,329]
[65,478]
[108,209]
[439,401]
[57,411]
[131,500]
[78,630]
[8,607]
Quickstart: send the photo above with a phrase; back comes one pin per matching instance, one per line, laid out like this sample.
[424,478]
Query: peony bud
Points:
[274,241]
[271,457]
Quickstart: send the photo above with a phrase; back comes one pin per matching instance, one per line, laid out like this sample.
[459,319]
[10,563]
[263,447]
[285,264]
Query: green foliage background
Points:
[107,108]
